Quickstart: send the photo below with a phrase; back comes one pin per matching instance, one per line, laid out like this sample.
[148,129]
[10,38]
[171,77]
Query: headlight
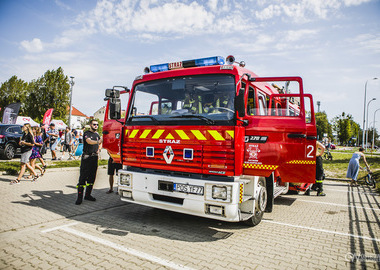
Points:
[126,179]
[219,192]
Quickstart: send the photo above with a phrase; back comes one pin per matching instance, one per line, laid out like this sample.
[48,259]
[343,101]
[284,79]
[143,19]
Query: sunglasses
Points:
[95,124]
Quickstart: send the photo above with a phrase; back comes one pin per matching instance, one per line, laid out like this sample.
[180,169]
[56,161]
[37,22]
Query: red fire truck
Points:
[210,138]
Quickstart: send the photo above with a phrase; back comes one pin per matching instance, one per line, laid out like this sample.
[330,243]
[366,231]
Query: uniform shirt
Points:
[89,149]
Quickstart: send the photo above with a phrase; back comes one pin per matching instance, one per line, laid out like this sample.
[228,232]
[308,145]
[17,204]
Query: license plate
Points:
[198,190]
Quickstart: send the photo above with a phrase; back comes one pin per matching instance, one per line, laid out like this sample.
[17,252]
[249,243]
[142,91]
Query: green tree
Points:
[12,91]
[50,91]
[346,128]
[323,125]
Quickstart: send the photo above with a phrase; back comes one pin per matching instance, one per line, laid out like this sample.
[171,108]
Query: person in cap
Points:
[53,140]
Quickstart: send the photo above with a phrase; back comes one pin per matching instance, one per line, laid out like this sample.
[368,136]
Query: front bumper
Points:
[145,189]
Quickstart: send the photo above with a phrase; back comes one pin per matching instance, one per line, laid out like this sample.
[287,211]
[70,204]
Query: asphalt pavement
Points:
[42,228]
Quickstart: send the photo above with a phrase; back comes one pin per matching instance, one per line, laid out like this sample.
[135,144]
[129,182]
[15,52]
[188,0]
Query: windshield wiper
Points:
[207,120]
[145,116]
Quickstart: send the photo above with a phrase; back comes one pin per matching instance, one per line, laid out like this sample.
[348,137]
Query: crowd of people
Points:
[36,140]
[66,140]
[34,144]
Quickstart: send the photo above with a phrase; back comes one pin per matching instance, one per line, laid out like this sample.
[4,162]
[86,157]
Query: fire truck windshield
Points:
[187,100]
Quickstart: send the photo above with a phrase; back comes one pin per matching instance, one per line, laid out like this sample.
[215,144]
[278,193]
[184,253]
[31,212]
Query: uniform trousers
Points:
[88,169]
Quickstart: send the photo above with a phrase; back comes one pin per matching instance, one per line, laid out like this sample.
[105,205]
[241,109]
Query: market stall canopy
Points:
[21,120]
[59,124]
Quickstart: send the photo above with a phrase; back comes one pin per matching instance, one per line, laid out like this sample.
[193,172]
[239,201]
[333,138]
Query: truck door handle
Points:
[106,132]
[296,135]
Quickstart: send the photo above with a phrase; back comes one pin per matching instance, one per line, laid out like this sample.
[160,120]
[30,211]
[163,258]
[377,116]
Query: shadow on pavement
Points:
[114,217]
[360,219]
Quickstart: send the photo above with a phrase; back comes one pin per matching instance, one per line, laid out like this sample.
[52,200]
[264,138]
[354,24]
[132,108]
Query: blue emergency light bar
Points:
[208,61]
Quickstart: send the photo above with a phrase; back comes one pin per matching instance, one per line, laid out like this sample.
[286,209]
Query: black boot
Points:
[80,195]
[88,196]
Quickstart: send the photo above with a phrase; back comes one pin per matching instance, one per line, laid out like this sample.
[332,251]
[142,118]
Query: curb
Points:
[58,169]
[338,179]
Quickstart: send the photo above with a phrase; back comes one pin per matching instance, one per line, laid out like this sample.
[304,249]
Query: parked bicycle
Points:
[327,155]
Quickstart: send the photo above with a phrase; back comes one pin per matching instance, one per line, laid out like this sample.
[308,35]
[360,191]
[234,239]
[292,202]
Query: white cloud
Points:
[172,17]
[303,10]
[368,42]
[164,19]
[33,46]
[268,12]
[299,34]
[62,5]
[213,5]
[355,2]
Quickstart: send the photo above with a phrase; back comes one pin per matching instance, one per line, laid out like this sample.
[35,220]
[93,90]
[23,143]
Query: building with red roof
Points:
[78,119]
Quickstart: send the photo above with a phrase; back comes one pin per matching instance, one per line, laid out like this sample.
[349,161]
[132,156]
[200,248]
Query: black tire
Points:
[371,180]
[367,180]
[258,216]
[373,183]
[9,151]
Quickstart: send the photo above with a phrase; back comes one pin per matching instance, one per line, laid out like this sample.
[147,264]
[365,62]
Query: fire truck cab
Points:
[210,138]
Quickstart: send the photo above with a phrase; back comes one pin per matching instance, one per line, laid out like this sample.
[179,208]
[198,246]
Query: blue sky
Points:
[334,45]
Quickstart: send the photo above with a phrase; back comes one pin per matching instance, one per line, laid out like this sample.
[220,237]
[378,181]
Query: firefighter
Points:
[318,186]
[208,103]
[89,163]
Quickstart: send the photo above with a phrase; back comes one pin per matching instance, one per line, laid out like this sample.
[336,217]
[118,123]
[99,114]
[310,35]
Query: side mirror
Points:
[112,93]
[115,108]
[239,103]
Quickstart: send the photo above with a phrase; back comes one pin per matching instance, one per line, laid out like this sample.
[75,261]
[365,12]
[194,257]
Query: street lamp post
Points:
[366,132]
[365,102]
[373,131]
[71,97]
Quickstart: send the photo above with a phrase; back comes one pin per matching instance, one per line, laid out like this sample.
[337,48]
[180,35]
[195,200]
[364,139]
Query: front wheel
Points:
[370,181]
[260,204]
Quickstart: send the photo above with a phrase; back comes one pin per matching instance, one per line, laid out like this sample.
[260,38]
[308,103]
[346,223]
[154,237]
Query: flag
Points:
[47,118]
[10,113]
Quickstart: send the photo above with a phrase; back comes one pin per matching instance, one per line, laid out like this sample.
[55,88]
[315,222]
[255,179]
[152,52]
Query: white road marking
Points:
[59,227]
[342,205]
[130,251]
[345,190]
[322,230]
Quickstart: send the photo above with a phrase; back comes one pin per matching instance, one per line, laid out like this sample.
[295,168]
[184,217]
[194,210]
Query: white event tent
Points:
[21,120]
[59,124]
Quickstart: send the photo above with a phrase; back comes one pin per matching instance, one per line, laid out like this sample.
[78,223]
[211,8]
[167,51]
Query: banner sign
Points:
[47,118]
[10,113]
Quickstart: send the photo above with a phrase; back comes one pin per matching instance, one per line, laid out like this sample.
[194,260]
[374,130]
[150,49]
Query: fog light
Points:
[219,192]
[126,180]
[127,194]
[215,210]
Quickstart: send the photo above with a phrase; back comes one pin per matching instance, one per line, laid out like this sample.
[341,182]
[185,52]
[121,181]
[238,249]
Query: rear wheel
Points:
[9,151]
[260,204]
